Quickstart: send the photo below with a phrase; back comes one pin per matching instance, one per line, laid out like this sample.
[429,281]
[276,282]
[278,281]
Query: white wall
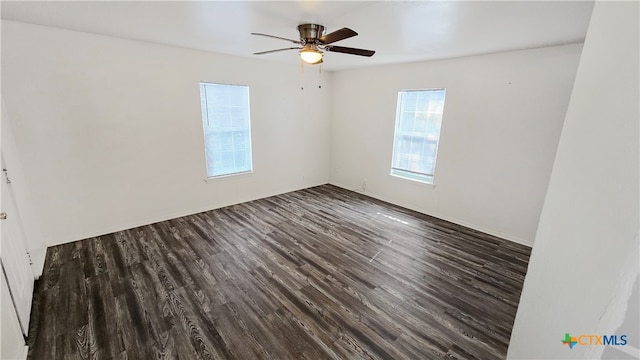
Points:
[586,250]
[502,119]
[33,239]
[109,130]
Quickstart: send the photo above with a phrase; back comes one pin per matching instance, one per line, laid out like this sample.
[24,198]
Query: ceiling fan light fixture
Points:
[310,54]
[313,41]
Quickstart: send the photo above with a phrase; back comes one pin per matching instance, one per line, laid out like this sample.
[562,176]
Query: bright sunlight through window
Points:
[227,128]
[417,132]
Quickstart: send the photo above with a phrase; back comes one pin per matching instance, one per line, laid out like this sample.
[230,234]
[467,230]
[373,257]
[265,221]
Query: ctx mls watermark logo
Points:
[569,341]
[590,339]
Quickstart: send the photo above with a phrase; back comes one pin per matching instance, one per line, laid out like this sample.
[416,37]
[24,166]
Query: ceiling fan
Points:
[313,41]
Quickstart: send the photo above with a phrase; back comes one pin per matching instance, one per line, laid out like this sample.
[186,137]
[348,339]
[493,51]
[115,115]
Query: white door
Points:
[12,344]
[13,254]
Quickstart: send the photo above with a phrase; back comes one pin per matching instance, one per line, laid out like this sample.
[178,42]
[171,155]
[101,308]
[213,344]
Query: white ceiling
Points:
[399,31]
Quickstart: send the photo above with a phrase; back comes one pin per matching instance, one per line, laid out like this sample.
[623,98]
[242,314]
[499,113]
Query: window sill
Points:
[228,177]
[415,181]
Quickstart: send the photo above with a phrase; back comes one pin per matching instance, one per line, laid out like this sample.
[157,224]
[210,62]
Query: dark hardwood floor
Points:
[321,273]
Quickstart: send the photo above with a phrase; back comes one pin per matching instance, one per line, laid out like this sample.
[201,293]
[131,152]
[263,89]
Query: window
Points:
[227,128]
[415,143]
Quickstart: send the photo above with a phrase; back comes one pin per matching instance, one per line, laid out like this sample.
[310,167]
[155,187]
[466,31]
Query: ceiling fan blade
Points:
[338,35]
[276,50]
[277,37]
[348,50]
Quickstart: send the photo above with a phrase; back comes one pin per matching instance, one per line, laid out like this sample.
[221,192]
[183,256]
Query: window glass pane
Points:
[420,126]
[227,129]
[409,101]
[415,145]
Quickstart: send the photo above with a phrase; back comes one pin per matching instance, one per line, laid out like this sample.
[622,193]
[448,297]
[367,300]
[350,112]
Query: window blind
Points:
[417,133]
[227,128]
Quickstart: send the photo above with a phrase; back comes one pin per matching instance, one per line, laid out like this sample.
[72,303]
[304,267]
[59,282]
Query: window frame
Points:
[205,118]
[428,179]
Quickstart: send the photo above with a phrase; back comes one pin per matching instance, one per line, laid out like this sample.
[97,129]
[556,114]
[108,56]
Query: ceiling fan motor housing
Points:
[313,41]
[310,33]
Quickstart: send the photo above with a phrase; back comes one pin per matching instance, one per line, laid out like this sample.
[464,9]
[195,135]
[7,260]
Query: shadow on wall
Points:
[630,327]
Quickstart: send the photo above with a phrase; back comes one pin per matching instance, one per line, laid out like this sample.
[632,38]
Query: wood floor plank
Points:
[320,273]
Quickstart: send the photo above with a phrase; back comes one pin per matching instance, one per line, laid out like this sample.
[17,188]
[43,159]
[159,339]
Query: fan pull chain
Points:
[301,74]
[320,76]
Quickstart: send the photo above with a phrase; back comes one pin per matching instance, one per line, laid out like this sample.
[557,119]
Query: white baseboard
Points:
[178,214]
[37,261]
[485,230]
